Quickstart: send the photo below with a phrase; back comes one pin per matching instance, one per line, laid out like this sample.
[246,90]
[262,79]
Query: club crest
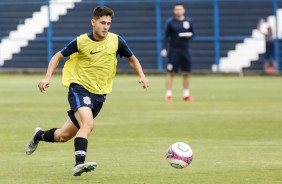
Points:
[86,100]
[186,25]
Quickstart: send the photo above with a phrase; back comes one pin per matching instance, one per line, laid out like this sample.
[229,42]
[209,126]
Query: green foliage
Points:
[233,127]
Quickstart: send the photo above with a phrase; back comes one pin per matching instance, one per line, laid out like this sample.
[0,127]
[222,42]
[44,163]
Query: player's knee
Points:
[63,137]
[170,74]
[89,126]
[185,74]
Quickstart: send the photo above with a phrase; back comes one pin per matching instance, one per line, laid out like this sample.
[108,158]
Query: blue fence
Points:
[217,36]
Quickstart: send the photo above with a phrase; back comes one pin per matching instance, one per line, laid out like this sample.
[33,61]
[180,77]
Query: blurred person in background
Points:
[178,33]
[269,56]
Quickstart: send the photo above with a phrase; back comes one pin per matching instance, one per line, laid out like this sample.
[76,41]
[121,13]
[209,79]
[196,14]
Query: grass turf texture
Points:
[233,127]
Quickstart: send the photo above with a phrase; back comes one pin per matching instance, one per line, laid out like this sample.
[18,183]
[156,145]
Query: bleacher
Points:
[238,19]
[77,21]
[136,23]
[11,15]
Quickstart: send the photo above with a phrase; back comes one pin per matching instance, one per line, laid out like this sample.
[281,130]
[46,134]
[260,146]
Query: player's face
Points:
[101,27]
[179,11]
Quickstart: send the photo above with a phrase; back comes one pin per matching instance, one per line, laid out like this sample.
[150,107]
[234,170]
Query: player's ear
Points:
[93,22]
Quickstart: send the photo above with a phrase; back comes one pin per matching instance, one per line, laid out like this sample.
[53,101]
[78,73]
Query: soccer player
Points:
[178,32]
[89,75]
[269,56]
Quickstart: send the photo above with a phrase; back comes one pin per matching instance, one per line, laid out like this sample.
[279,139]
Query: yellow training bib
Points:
[94,65]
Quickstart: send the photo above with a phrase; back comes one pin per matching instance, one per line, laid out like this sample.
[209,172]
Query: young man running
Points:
[89,75]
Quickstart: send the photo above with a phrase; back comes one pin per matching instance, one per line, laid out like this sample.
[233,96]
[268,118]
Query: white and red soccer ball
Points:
[179,155]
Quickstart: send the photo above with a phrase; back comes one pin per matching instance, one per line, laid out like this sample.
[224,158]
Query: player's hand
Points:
[42,85]
[164,53]
[144,81]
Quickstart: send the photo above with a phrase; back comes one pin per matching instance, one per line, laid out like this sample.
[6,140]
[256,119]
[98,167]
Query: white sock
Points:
[186,92]
[168,93]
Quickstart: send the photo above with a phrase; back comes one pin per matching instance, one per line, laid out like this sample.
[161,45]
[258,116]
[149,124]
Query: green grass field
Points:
[234,128]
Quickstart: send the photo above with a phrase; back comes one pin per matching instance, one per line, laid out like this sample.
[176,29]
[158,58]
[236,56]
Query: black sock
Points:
[47,136]
[38,136]
[80,147]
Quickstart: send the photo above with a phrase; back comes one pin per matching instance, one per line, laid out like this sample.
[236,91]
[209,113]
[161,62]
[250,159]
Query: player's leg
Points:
[63,134]
[186,69]
[273,65]
[266,65]
[169,82]
[67,132]
[272,62]
[267,60]
[84,117]
[186,84]
[172,67]
[185,80]
[82,104]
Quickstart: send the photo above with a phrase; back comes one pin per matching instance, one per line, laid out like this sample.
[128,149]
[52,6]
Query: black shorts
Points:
[269,55]
[78,97]
[179,59]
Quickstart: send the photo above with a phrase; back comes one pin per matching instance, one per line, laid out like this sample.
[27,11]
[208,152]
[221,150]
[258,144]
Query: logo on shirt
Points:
[169,67]
[186,25]
[92,53]
[86,100]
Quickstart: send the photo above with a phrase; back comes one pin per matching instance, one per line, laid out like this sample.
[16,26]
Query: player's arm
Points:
[192,28]
[66,51]
[124,50]
[165,39]
[43,84]
[135,64]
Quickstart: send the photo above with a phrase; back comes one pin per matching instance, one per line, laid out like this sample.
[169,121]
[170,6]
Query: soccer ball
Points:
[179,155]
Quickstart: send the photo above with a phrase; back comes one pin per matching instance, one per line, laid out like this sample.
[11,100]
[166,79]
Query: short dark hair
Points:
[102,11]
[178,4]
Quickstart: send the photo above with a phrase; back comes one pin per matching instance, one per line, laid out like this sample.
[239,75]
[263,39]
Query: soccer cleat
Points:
[188,98]
[86,167]
[168,98]
[31,145]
